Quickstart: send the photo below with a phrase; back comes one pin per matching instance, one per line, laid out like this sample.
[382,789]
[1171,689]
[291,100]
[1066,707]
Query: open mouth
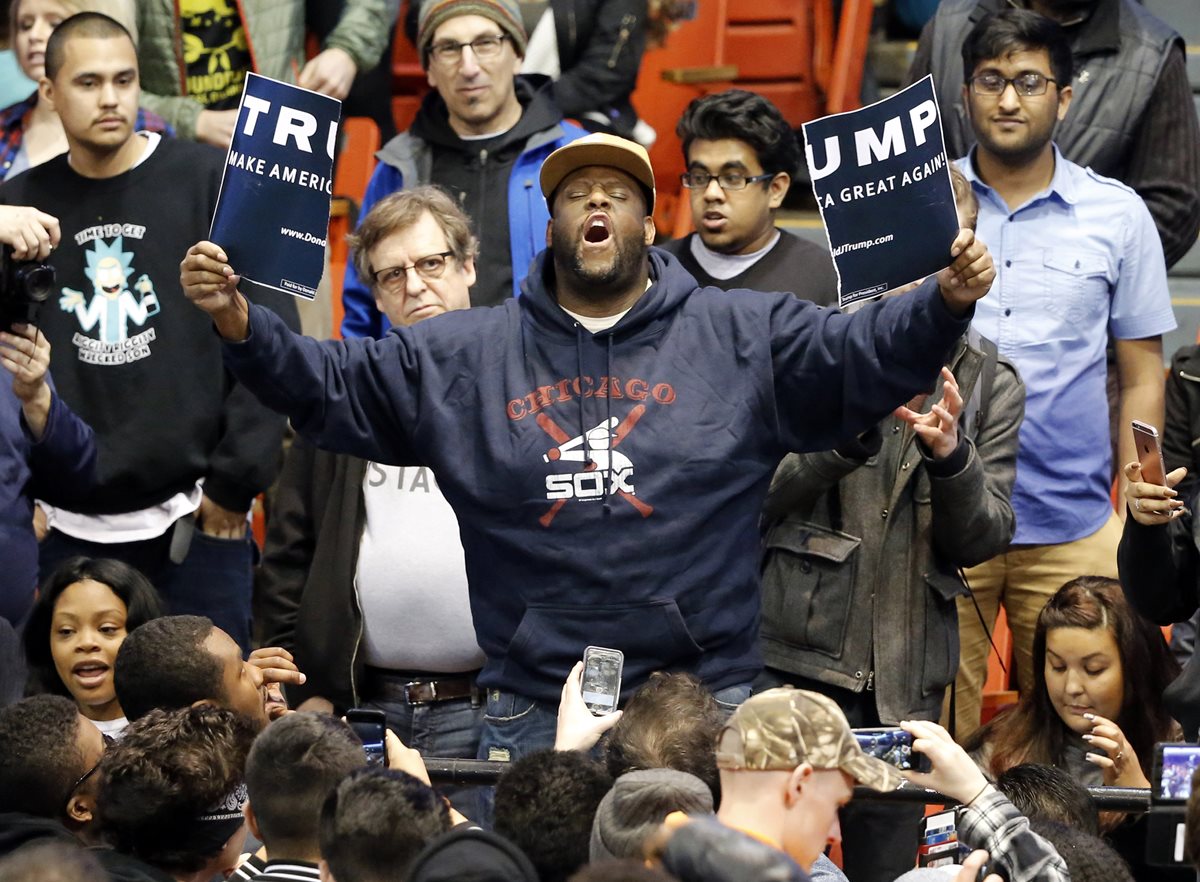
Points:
[597,229]
[90,673]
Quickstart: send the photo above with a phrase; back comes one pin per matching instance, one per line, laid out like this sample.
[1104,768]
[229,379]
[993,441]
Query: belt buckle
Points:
[425,690]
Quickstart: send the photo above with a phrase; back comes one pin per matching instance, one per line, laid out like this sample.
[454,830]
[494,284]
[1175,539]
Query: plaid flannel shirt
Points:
[14,117]
[993,823]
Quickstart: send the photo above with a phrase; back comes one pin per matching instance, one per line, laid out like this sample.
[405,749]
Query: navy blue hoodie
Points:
[654,549]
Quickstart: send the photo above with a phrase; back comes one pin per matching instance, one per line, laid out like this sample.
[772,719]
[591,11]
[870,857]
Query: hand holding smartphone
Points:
[1149,453]
[371,728]
[601,685]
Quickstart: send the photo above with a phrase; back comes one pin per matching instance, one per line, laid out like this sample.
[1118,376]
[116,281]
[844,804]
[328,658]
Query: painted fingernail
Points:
[1087,737]
[1089,716]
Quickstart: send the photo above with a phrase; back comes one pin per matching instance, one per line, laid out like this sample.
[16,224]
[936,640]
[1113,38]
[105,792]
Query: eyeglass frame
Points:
[747,180]
[108,742]
[1012,81]
[383,286]
[435,49]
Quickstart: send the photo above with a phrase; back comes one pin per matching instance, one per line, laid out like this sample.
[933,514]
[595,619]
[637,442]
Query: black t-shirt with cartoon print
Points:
[130,354]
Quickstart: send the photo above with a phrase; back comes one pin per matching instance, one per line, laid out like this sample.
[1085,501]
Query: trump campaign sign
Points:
[882,182]
[272,214]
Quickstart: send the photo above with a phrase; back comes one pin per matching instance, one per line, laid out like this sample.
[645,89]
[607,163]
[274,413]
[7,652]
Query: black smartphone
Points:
[601,686]
[371,728]
[893,746]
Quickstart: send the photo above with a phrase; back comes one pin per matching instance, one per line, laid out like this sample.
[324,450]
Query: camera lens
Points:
[37,281]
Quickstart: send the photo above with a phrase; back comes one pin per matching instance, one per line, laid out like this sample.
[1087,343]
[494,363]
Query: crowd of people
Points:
[544,430]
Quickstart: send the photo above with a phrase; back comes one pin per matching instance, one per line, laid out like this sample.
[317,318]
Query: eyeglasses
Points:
[394,279]
[449,53]
[726,181]
[108,741]
[1027,85]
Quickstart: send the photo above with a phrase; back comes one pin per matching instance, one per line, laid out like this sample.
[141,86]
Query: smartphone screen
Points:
[370,726]
[1149,453]
[602,678]
[1175,764]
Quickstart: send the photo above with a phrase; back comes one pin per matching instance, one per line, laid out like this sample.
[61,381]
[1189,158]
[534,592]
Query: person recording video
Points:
[46,451]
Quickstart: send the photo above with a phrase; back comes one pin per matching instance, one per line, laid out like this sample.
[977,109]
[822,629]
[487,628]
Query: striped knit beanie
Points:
[505,13]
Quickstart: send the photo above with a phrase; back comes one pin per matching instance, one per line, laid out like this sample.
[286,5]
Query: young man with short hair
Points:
[48,758]
[1078,259]
[480,134]
[180,661]
[741,155]
[293,766]
[374,824]
[182,449]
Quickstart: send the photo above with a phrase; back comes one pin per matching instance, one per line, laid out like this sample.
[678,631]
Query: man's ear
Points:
[549,230]
[46,92]
[778,188]
[81,809]
[251,820]
[797,780]
[648,230]
[966,100]
[1065,94]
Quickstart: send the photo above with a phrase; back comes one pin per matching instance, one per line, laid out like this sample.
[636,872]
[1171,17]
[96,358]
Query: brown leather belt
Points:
[424,690]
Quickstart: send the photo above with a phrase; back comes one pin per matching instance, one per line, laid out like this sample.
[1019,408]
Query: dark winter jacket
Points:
[683,408]
[863,547]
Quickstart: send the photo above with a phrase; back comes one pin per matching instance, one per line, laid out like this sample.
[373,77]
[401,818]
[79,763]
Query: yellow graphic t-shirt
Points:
[215,51]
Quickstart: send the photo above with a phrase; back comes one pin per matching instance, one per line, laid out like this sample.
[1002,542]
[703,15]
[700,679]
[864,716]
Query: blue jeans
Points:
[447,729]
[216,579]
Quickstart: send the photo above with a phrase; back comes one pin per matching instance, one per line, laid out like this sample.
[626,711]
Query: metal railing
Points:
[464,772]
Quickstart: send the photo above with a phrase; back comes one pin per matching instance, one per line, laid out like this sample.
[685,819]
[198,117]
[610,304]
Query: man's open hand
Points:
[210,282]
[970,274]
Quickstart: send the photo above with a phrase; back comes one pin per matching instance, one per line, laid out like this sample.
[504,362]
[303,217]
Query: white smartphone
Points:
[1149,453]
[601,686]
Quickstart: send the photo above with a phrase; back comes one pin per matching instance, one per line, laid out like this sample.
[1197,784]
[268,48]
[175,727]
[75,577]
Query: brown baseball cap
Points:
[779,729]
[599,149]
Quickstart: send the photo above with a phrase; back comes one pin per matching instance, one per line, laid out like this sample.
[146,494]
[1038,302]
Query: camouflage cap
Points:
[779,729]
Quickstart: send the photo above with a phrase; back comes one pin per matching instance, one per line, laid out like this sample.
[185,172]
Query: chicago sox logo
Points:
[604,464]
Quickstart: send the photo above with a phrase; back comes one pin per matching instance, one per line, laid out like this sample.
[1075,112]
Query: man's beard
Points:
[628,256]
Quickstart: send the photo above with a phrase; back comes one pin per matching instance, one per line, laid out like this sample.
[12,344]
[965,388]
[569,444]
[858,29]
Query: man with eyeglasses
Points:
[481,135]
[741,154]
[375,547]
[49,753]
[1131,117]
[1077,259]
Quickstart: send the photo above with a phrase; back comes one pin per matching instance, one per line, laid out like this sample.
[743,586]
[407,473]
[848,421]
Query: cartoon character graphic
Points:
[113,305]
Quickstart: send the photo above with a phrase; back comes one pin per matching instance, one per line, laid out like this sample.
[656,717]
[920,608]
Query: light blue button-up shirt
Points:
[1076,261]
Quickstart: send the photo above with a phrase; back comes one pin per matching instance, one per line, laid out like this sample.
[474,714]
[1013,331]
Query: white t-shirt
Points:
[411,577]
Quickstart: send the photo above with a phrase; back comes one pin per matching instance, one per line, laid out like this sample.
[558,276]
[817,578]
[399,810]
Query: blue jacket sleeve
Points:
[63,462]
[837,375]
[360,397]
[361,318]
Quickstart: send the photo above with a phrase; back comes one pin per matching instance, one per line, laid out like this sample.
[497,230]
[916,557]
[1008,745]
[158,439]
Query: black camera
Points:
[24,286]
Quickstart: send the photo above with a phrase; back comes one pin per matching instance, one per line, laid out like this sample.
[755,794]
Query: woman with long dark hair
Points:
[1096,707]
[76,627]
